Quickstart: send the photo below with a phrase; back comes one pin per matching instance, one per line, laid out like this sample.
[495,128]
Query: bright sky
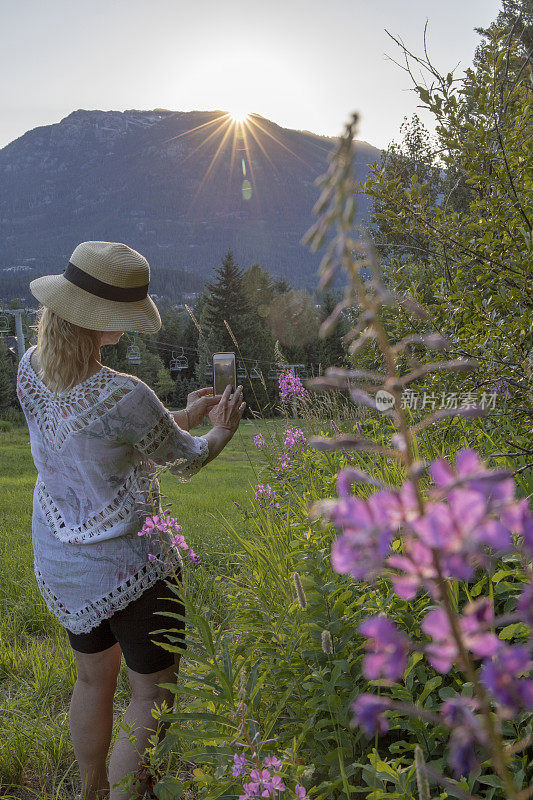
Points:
[304,64]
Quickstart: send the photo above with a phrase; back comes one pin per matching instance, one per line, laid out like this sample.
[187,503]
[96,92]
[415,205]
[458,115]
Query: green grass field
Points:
[37,667]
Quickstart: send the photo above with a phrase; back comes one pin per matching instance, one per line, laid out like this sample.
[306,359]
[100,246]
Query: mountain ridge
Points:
[182,187]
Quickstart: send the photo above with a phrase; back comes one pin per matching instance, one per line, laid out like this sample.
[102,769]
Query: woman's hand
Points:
[199,403]
[228,412]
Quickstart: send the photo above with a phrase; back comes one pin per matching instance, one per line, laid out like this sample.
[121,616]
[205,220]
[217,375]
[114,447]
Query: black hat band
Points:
[124,294]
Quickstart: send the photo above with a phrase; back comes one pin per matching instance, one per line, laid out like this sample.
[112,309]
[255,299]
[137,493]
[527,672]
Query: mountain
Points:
[180,187]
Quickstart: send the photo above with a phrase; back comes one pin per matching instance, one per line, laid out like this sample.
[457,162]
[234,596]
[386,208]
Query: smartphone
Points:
[224,372]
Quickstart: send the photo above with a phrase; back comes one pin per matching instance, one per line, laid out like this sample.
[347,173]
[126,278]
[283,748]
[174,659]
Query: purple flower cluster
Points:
[156,523]
[503,678]
[387,649]
[294,438]
[474,622]
[266,496]
[263,782]
[458,714]
[504,674]
[167,524]
[369,713]
[259,441]
[468,519]
[368,527]
[284,463]
[502,387]
[294,441]
[469,512]
[291,387]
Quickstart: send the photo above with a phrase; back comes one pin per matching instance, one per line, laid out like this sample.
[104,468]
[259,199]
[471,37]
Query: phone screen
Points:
[224,372]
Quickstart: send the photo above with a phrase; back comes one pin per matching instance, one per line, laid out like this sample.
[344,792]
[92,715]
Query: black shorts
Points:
[132,628]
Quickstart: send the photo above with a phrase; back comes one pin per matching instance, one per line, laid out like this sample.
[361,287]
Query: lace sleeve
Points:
[160,439]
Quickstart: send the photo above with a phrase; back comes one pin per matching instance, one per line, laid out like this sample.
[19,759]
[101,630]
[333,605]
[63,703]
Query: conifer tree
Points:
[226,301]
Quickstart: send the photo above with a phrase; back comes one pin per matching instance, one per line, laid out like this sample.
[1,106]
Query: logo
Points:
[384,400]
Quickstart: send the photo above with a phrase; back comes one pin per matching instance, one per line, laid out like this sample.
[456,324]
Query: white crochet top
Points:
[95,448]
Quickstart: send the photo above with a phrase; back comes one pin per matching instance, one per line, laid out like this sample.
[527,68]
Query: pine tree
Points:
[227,300]
[259,288]
[224,299]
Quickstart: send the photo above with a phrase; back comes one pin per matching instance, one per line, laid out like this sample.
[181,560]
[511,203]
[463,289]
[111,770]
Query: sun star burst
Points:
[238,115]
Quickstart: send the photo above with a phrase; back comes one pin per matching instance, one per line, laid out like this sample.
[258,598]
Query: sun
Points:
[239,115]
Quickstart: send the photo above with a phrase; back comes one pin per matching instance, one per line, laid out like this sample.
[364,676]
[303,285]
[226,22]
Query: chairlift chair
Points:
[255,372]
[241,372]
[133,354]
[183,359]
[177,363]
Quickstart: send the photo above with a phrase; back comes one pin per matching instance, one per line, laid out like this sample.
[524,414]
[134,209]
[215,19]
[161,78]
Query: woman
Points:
[96,436]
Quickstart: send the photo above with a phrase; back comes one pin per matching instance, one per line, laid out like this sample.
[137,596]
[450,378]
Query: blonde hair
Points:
[65,350]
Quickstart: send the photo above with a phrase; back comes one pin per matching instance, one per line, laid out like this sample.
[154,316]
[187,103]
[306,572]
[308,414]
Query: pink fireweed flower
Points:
[193,557]
[467,730]
[152,558]
[461,528]
[300,792]
[368,527]
[294,438]
[496,486]
[460,711]
[387,649]
[259,440]
[179,541]
[266,496]
[527,531]
[368,713]
[272,761]
[262,784]
[152,524]
[480,513]
[284,463]
[291,387]
[462,755]
[502,676]
[239,765]
[477,616]
[416,569]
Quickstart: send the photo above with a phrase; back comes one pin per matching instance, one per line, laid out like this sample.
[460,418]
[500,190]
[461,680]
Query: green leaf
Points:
[428,688]
[168,788]
[491,780]
[516,630]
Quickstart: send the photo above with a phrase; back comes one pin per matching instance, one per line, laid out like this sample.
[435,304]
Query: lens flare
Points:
[239,115]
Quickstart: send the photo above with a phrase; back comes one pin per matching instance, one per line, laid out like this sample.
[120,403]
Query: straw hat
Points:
[104,288]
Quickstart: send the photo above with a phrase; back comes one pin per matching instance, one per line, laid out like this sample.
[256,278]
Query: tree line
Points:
[269,320]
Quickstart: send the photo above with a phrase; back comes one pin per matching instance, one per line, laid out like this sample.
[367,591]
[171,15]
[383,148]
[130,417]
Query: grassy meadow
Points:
[37,667]
[249,559]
